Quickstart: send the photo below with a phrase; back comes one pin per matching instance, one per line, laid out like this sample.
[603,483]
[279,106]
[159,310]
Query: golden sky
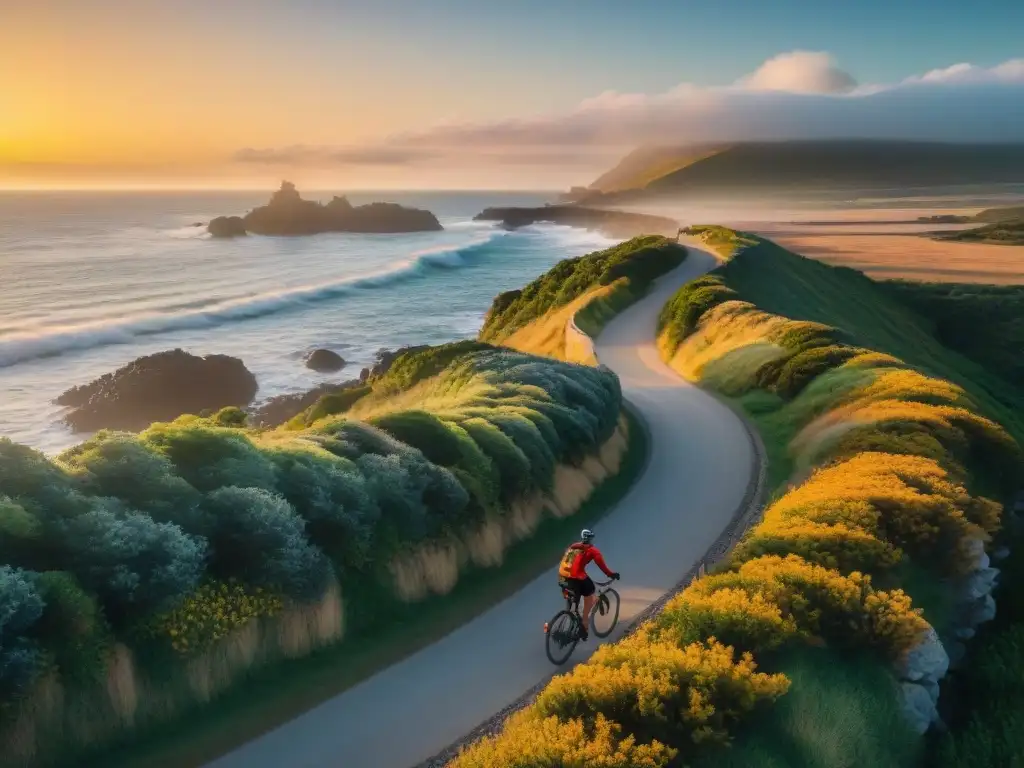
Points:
[150,93]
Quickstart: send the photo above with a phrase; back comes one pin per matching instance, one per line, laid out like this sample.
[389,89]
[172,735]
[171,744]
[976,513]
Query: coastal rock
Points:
[288,214]
[918,707]
[277,410]
[927,660]
[227,226]
[974,553]
[158,387]
[385,358]
[611,223]
[325,361]
[982,611]
[980,583]
[964,633]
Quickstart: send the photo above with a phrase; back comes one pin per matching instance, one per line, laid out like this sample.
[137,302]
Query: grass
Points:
[840,712]
[640,261]
[982,322]
[273,696]
[780,282]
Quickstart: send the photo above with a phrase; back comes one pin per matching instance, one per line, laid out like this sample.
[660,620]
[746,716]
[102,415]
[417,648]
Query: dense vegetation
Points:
[999,233]
[982,322]
[143,560]
[627,270]
[1007,213]
[879,456]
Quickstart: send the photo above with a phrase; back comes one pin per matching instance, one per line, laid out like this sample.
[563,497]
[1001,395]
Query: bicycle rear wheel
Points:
[561,637]
[606,613]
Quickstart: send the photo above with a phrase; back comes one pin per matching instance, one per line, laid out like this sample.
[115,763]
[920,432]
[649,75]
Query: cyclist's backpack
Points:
[565,567]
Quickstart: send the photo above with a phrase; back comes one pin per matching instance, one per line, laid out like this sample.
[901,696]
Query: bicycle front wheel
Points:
[606,613]
[562,637]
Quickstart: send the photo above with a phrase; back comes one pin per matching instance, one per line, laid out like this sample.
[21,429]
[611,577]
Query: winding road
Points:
[696,479]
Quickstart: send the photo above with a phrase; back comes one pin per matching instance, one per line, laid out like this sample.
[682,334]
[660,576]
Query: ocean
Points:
[89,281]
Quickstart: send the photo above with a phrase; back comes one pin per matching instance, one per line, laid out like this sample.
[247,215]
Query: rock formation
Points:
[158,387]
[288,214]
[227,226]
[611,223]
[325,361]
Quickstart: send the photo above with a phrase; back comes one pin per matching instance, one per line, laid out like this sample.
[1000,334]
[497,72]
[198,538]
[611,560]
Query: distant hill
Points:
[668,171]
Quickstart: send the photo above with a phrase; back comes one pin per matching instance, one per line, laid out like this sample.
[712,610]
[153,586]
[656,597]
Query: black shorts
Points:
[582,587]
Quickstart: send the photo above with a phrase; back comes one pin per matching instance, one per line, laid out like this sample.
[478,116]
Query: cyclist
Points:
[572,573]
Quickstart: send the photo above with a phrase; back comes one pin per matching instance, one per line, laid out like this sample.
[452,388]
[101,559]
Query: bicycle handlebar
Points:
[603,583]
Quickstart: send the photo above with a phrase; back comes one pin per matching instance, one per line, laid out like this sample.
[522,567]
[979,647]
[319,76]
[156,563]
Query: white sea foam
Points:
[55,340]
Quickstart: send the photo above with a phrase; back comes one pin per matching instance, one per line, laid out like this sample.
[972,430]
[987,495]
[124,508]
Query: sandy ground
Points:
[887,256]
[696,479]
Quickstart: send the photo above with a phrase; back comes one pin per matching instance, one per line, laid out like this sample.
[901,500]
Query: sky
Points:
[457,94]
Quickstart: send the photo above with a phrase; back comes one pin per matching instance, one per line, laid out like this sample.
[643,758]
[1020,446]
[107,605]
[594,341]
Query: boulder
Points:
[227,226]
[980,612]
[980,583]
[288,214]
[918,707]
[325,361]
[927,660]
[158,387]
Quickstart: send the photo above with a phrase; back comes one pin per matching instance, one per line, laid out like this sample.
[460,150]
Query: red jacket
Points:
[577,557]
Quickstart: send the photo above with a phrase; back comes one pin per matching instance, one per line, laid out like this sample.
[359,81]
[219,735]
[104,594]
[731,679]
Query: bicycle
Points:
[565,629]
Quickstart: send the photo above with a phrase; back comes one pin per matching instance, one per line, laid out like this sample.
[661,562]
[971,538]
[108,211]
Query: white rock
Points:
[918,707]
[982,611]
[927,660]
[980,582]
[964,633]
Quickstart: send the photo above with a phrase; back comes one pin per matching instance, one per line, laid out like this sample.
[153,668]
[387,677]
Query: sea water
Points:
[89,281]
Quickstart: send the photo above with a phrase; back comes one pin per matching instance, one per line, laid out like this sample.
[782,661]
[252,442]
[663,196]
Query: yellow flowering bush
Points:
[530,741]
[734,616]
[682,695]
[211,613]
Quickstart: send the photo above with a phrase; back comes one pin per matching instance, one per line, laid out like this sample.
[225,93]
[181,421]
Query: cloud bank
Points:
[795,95]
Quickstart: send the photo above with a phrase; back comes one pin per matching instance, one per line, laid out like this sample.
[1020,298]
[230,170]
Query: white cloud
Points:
[795,95]
[800,72]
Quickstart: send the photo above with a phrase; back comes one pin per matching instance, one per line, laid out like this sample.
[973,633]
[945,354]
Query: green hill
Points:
[667,171]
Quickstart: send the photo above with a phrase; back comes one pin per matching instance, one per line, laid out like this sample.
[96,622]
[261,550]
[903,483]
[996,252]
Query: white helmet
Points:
[586,535]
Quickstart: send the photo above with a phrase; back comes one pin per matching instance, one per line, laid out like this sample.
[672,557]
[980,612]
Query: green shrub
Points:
[329,405]
[134,564]
[639,261]
[72,628]
[258,538]
[21,606]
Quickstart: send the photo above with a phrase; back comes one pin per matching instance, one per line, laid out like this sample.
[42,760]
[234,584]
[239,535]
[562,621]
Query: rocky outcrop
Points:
[924,665]
[158,387]
[609,222]
[277,410]
[227,226]
[325,361]
[384,359]
[288,214]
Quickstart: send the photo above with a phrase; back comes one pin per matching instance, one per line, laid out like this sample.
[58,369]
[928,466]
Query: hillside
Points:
[820,640]
[645,164]
[665,172]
